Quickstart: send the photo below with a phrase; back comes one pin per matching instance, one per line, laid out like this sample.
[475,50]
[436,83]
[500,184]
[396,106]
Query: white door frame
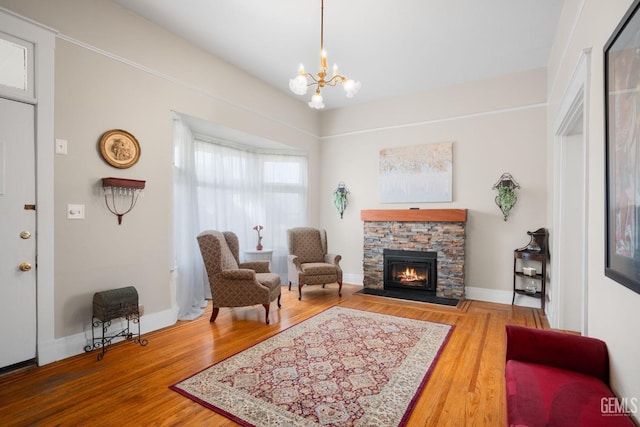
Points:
[43,39]
[573,109]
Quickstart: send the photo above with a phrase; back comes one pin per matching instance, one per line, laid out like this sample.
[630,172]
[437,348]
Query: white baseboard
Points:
[73,345]
[500,297]
[352,279]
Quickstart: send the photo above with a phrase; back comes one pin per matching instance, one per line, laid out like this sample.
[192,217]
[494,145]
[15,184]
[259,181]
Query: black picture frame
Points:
[622,150]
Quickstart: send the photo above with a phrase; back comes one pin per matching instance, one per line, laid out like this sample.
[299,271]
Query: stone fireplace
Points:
[436,231]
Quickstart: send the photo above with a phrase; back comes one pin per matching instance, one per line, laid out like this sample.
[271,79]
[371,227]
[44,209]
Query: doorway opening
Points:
[569,282]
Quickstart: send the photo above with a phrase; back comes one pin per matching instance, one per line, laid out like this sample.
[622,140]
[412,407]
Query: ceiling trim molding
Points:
[262,115]
[439,120]
[181,83]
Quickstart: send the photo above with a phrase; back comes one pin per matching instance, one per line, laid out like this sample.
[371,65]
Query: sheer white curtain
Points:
[239,188]
[192,286]
[222,186]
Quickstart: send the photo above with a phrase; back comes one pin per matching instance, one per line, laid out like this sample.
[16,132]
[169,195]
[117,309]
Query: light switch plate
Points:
[75,211]
[61,146]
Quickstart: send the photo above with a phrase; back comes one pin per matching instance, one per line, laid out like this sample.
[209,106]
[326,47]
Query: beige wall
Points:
[496,125]
[613,313]
[115,70]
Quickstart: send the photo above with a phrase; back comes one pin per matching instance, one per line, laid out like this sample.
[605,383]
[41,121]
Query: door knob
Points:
[25,234]
[25,266]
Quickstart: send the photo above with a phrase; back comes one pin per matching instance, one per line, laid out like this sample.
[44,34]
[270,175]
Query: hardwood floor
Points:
[130,386]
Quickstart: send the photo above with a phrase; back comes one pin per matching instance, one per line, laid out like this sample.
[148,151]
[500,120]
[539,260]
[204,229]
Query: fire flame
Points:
[409,275]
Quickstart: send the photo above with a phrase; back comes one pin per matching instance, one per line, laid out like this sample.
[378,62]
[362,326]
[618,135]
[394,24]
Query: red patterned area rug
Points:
[342,367]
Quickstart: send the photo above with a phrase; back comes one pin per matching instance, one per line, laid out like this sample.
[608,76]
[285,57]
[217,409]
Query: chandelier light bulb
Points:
[298,85]
[335,69]
[316,101]
[351,87]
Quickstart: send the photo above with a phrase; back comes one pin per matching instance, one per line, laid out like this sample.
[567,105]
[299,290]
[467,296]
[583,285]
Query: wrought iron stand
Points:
[119,303]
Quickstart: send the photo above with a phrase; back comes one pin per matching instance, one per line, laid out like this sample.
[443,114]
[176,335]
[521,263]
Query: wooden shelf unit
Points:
[541,276]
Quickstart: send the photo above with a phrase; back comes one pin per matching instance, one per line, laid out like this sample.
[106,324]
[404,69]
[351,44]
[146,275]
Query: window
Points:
[239,188]
[16,74]
[225,187]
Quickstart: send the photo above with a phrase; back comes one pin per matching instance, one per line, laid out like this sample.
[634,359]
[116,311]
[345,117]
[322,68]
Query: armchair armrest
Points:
[259,266]
[293,259]
[558,349]
[332,258]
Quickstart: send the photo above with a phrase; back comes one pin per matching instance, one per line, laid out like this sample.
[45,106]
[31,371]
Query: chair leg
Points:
[266,309]
[279,300]
[299,291]
[289,285]
[214,314]
[339,289]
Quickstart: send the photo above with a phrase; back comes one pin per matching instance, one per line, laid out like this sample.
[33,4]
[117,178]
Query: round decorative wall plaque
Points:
[119,148]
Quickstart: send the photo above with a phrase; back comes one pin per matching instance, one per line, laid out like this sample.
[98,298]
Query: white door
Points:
[17,233]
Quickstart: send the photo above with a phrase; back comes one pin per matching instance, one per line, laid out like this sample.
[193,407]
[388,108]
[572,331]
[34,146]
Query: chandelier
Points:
[303,80]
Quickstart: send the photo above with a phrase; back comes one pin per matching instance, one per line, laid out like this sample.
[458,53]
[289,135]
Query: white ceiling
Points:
[393,47]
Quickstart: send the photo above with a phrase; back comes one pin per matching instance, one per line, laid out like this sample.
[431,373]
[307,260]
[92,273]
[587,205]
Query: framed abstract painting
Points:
[622,124]
[417,173]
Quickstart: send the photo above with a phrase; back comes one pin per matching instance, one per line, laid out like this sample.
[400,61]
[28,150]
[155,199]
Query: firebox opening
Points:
[416,270]
[409,275]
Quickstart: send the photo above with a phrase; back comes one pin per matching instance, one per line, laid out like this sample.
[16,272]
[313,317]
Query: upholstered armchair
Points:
[308,261]
[235,284]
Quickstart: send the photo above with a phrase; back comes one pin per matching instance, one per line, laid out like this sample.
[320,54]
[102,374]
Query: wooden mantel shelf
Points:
[415,215]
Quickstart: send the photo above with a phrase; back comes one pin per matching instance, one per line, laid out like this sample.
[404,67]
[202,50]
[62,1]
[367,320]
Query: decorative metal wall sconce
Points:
[121,195]
[507,197]
[340,198]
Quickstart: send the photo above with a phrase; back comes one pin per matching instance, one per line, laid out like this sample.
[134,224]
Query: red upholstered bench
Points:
[559,379]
